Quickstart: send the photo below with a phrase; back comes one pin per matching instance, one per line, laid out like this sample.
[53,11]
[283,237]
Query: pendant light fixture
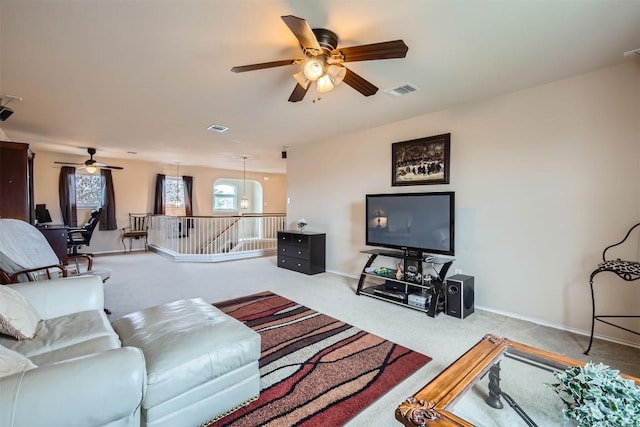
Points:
[244,202]
[177,198]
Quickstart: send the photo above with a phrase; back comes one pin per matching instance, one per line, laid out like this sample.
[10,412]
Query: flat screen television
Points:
[418,223]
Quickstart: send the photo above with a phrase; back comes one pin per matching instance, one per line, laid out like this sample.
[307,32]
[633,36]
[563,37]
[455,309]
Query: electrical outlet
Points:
[458,271]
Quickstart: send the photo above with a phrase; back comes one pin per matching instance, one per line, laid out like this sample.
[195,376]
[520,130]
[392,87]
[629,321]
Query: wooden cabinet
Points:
[16,181]
[303,252]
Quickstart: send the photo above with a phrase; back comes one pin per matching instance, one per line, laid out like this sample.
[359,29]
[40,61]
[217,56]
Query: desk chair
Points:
[138,228]
[78,237]
[627,271]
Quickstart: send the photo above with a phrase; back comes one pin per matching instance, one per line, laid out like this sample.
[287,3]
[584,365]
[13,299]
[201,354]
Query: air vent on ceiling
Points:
[218,128]
[402,90]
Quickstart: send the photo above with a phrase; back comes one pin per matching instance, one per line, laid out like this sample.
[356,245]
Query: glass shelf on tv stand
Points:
[432,290]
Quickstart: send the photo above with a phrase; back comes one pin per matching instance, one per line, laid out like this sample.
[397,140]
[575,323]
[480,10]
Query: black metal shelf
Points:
[435,289]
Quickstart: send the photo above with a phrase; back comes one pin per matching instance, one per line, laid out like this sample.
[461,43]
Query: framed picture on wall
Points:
[421,161]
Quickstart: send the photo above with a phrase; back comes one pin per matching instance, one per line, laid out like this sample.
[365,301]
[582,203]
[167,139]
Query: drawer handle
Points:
[284,249]
[283,261]
[299,265]
[299,253]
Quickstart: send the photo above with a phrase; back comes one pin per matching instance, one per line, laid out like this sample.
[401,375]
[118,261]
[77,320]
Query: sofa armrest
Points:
[59,297]
[94,390]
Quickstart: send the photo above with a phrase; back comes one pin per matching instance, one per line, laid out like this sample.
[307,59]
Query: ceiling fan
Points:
[91,165]
[323,59]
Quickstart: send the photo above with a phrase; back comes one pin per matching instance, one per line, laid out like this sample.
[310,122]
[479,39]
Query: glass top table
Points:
[496,383]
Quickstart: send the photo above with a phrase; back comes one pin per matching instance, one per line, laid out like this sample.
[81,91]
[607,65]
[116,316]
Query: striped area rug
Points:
[315,370]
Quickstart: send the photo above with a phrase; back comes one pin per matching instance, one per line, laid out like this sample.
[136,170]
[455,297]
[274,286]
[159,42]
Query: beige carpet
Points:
[141,280]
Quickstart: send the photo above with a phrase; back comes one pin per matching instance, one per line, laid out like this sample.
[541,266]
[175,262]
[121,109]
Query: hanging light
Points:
[91,169]
[177,199]
[244,202]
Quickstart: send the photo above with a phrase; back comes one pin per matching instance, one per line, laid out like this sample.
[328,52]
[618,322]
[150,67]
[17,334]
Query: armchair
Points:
[78,237]
[138,228]
[26,256]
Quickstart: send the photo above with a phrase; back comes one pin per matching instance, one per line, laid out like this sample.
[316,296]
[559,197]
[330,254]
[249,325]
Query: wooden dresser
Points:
[301,251]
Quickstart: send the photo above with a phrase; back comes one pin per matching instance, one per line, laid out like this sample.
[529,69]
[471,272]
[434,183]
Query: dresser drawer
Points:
[299,240]
[295,264]
[294,251]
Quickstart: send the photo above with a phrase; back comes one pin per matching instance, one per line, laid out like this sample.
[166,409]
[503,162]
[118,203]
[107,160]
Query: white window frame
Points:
[234,196]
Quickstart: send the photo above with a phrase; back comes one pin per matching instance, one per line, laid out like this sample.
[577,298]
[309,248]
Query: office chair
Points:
[78,237]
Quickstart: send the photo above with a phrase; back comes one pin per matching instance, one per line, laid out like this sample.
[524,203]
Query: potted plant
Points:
[597,396]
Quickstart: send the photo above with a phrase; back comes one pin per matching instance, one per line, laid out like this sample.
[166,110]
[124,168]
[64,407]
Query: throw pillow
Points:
[12,362]
[18,318]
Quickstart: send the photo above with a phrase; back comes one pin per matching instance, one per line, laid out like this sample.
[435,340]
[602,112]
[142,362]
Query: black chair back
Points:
[77,237]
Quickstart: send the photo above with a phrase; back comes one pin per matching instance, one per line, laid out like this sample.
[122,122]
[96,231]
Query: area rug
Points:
[315,370]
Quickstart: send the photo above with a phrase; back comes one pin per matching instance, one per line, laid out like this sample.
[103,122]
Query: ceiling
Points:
[149,77]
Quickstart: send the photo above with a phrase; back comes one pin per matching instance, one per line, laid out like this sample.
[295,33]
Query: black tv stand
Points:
[411,282]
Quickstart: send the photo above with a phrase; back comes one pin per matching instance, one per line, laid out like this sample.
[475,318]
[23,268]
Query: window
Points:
[174,192]
[225,197]
[89,190]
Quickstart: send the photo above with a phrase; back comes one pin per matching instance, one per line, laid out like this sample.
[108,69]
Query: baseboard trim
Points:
[558,326]
[533,320]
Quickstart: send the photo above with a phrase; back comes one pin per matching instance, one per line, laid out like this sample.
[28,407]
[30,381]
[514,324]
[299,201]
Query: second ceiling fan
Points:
[323,62]
[91,165]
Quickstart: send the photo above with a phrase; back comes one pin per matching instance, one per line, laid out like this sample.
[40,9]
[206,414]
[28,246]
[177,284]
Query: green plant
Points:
[597,396]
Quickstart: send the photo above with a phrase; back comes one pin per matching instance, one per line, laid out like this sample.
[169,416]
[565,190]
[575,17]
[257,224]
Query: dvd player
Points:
[381,290]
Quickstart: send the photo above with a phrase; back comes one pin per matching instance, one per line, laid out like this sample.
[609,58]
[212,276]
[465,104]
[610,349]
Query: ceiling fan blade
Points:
[368,52]
[69,163]
[303,32]
[298,93]
[105,166]
[359,84]
[272,64]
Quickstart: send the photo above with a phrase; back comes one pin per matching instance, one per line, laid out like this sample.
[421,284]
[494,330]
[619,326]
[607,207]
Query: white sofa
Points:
[83,375]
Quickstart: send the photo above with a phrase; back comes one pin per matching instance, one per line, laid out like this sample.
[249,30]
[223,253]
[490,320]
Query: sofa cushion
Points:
[18,318]
[12,362]
[67,331]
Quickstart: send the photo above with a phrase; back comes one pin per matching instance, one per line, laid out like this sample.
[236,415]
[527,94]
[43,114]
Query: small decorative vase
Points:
[300,227]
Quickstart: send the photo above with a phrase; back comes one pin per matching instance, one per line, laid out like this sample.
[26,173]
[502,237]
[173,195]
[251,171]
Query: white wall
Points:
[545,178]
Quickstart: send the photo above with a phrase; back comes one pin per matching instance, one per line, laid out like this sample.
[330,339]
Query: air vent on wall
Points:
[218,128]
[402,90]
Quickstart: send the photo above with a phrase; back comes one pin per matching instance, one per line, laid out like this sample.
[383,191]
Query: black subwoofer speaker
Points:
[459,295]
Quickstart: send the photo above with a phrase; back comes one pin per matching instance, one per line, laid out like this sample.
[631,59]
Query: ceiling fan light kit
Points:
[323,62]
